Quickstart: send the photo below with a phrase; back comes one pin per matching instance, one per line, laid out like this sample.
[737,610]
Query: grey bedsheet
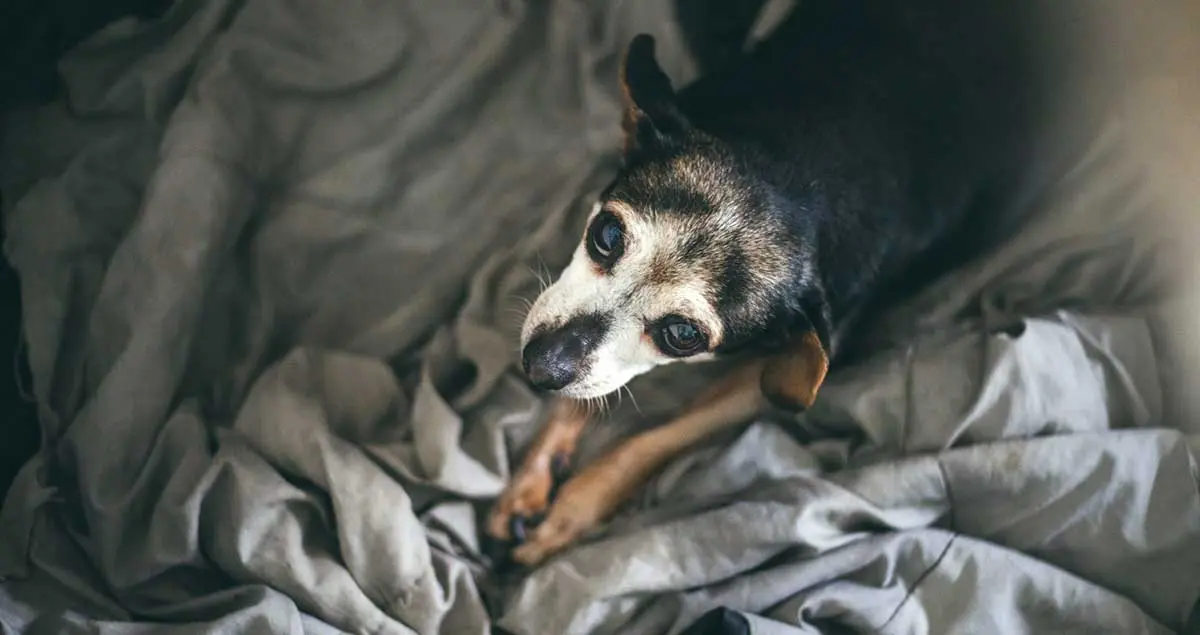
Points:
[273,258]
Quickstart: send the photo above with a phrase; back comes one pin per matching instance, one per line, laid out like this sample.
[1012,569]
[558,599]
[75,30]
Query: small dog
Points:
[764,212]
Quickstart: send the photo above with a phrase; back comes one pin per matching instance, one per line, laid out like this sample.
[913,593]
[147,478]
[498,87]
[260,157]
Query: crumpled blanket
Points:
[274,257]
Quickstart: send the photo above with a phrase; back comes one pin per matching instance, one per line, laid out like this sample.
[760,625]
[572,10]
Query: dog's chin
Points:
[584,393]
[596,388]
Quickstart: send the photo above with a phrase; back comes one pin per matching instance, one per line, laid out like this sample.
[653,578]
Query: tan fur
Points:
[791,380]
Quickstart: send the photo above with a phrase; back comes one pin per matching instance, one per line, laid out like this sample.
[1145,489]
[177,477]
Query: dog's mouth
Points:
[590,356]
[575,383]
[585,392]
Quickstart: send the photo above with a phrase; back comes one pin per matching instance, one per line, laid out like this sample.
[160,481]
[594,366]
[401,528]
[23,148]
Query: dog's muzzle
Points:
[555,358]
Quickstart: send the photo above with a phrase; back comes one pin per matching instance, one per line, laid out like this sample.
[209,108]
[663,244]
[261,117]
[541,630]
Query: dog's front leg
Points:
[528,494]
[592,495]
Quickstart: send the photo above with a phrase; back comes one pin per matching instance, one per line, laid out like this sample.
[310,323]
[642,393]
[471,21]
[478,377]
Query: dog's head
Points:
[686,255]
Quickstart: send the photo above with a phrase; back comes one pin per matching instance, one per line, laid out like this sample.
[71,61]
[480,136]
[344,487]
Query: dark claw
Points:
[559,466]
[516,528]
[519,526]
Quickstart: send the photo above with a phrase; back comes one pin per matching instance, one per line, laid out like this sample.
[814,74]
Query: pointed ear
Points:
[791,379]
[650,116]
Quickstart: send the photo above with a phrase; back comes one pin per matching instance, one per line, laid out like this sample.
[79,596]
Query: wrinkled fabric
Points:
[274,258]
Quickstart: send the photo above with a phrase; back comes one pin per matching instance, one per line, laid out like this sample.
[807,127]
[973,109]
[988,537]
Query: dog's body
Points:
[766,210]
[885,138]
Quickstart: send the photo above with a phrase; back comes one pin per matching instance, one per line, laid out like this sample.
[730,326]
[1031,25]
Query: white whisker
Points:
[542,273]
[541,280]
[526,302]
[633,400]
[608,407]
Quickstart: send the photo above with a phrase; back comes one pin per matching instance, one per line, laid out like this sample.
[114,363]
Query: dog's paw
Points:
[579,506]
[523,504]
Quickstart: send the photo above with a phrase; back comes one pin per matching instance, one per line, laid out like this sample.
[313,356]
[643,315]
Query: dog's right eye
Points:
[678,337]
[606,238]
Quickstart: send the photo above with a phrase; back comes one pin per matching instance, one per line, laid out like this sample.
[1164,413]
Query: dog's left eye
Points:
[681,339]
[606,238]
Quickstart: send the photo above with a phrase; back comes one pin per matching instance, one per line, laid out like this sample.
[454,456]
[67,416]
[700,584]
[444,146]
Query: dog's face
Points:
[682,257]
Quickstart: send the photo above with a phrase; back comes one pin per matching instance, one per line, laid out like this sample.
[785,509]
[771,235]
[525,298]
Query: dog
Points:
[765,213]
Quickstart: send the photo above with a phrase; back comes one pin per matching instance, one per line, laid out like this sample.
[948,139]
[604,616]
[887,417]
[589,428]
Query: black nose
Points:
[551,361]
[554,359]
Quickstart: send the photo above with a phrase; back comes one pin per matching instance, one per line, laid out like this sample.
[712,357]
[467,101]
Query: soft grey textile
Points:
[273,258]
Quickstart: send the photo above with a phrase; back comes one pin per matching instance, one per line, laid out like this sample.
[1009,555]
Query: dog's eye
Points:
[606,238]
[681,339]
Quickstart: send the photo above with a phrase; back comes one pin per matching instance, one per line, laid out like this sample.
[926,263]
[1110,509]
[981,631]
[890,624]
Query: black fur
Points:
[878,138]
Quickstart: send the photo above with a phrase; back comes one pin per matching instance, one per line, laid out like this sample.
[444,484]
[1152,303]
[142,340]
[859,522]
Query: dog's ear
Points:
[650,116]
[792,378]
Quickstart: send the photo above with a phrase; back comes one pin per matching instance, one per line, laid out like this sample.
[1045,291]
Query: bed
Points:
[273,259]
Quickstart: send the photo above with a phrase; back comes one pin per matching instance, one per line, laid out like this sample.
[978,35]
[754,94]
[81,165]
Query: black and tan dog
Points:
[765,211]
